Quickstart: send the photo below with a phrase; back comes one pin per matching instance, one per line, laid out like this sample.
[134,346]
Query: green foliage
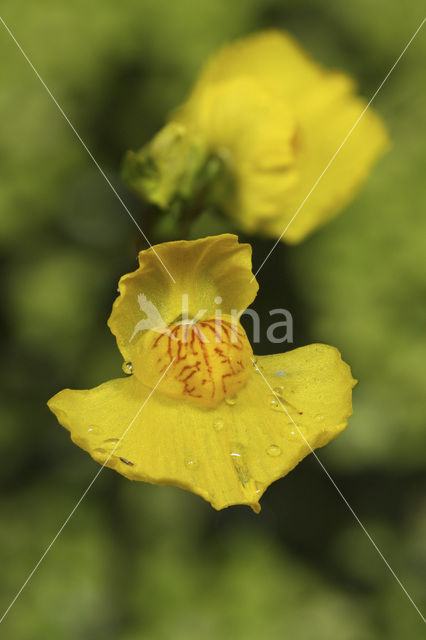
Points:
[153,562]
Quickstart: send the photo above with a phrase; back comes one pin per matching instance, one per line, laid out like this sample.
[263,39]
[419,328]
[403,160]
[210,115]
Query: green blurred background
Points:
[138,561]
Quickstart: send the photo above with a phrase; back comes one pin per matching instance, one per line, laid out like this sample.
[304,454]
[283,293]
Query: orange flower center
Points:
[208,360]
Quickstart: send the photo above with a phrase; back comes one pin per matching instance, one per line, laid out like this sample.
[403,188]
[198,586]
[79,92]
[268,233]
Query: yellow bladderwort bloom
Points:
[217,422]
[257,131]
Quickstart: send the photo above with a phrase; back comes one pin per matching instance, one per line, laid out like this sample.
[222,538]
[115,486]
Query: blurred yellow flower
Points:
[273,118]
[217,422]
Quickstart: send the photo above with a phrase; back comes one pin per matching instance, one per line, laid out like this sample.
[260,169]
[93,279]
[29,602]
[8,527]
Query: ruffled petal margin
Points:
[227,455]
[209,274]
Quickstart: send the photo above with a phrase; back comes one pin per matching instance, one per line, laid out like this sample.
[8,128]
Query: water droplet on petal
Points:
[190,463]
[93,430]
[259,487]
[111,443]
[231,401]
[100,451]
[219,424]
[319,418]
[237,450]
[276,405]
[279,390]
[273,451]
[127,367]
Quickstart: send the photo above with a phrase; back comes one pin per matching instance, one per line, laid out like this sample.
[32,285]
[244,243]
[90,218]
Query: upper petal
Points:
[216,267]
[326,110]
[339,143]
[272,57]
[253,131]
[243,118]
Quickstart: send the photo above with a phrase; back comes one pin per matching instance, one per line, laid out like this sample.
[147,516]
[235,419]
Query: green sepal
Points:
[176,172]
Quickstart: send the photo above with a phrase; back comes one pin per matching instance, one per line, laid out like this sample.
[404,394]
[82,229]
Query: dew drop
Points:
[319,418]
[127,367]
[279,390]
[92,430]
[273,451]
[276,405]
[100,451]
[237,450]
[231,401]
[219,424]
[111,443]
[190,463]
[259,487]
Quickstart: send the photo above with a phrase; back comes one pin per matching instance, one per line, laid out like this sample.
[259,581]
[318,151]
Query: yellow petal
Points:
[315,385]
[240,116]
[277,118]
[253,131]
[229,454]
[326,117]
[266,56]
[203,270]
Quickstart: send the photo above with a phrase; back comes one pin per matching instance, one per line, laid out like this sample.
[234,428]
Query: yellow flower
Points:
[274,118]
[198,411]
